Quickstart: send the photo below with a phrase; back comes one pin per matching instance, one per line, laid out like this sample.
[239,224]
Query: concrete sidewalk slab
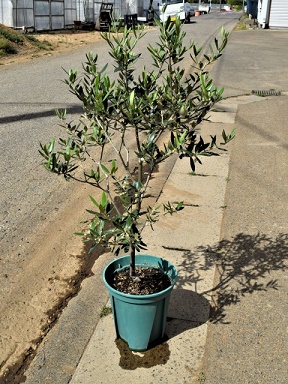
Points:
[249,342]
[253,60]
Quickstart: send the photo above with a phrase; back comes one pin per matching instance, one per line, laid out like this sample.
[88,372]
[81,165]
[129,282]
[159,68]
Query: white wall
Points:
[6,13]
[263,12]
[278,14]
[273,13]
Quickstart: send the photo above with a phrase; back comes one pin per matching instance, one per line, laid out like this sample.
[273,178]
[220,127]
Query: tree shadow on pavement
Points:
[243,265]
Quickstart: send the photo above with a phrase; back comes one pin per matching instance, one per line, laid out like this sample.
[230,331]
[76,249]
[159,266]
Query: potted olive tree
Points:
[128,128]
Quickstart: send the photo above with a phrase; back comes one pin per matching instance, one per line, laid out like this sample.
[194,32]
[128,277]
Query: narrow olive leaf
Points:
[220,91]
[104,169]
[104,68]
[61,113]
[203,86]
[179,206]
[131,99]
[183,137]
[92,212]
[51,146]
[172,137]
[231,135]
[213,141]
[104,199]
[192,164]
[93,201]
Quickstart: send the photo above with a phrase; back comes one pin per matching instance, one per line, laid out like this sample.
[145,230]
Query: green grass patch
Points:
[11,35]
[32,38]
[6,47]
[242,25]
[13,42]
[46,45]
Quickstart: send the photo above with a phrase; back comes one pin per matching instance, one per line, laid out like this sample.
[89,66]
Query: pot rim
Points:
[139,297]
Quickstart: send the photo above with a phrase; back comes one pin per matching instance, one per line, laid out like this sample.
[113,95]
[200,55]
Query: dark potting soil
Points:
[146,282]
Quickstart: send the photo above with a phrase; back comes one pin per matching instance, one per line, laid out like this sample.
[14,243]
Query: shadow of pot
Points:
[187,310]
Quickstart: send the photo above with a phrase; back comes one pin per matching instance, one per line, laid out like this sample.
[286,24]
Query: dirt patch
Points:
[60,42]
[56,260]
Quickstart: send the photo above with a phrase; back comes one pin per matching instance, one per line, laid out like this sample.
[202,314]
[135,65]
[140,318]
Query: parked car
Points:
[204,8]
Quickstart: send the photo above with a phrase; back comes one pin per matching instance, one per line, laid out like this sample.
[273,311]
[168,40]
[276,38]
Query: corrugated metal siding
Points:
[279,14]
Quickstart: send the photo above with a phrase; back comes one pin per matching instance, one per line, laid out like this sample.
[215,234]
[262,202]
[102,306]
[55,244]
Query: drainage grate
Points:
[270,92]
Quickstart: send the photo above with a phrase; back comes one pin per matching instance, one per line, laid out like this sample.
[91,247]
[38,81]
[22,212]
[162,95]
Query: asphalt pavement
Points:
[227,320]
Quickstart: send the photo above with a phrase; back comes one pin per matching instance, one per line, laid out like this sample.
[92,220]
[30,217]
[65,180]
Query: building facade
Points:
[44,15]
[273,14]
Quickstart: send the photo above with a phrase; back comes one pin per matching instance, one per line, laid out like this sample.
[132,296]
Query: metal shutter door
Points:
[279,14]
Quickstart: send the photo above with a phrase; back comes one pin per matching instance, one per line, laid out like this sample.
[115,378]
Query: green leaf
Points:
[128,223]
[131,99]
[61,113]
[229,137]
[192,164]
[103,199]
[51,145]
[93,201]
[104,169]
[92,212]
[179,206]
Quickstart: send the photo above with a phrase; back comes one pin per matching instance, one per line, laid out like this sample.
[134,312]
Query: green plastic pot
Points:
[139,319]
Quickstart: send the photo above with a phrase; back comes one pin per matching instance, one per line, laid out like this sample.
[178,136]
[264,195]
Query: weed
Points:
[45,44]
[11,35]
[241,26]
[105,311]
[12,42]
[197,174]
[32,38]
[201,377]
[6,47]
